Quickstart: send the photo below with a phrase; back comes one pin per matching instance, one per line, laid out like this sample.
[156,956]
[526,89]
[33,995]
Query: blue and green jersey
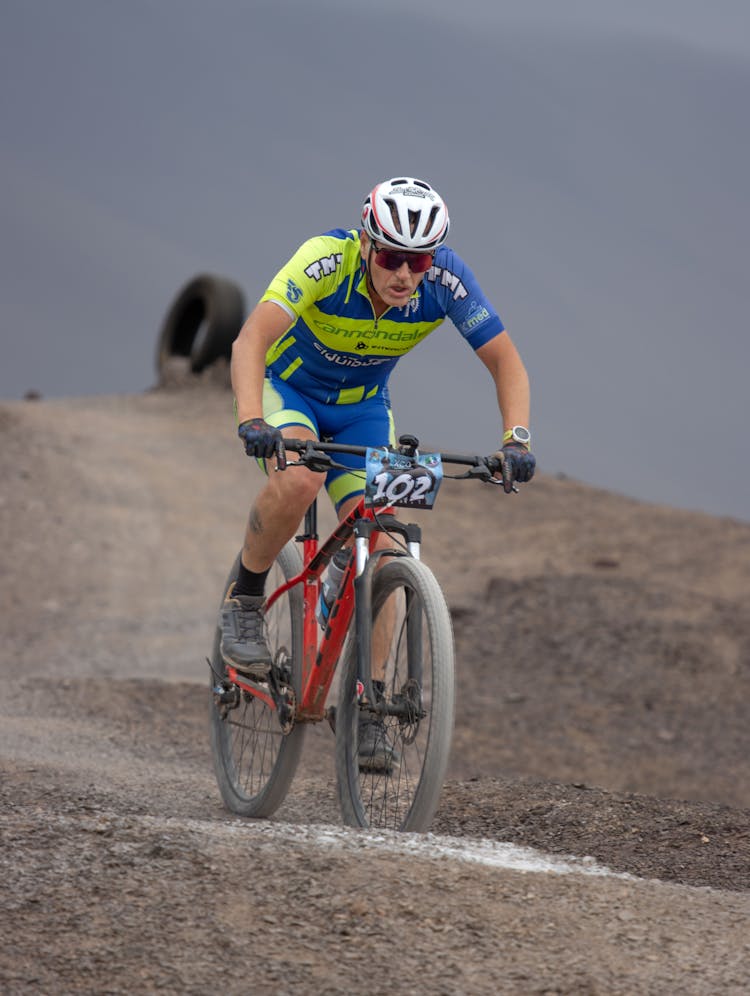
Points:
[336,351]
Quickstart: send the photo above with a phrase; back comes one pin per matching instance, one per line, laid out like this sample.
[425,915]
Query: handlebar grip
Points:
[494,463]
[296,445]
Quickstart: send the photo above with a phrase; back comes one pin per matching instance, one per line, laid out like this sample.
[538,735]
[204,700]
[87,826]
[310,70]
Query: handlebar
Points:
[316,455]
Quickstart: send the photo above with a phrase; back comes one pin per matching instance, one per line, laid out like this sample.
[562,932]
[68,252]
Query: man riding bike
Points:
[314,357]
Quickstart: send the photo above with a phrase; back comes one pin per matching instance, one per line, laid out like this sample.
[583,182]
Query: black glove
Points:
[262,440]
[518,465]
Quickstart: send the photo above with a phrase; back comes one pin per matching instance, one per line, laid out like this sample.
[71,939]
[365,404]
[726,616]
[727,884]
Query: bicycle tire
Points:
[405,795]
[254,761]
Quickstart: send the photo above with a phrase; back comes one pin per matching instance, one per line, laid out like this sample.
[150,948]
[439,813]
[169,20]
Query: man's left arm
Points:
[504,363]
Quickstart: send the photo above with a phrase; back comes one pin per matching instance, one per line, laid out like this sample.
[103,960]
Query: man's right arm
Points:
[267,323]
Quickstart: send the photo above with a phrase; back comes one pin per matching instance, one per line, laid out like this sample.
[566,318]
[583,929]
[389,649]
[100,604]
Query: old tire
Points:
[202,323]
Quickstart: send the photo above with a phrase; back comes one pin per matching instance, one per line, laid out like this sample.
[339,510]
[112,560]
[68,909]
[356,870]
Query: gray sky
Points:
[594,158]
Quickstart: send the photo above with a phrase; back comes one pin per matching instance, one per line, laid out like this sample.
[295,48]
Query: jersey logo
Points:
[293,292]
[439,275]
[343,360]
[477,314]
[324,266]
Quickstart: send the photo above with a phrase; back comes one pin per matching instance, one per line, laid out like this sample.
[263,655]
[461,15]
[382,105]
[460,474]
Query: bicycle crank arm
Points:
[285,701]
[276,695]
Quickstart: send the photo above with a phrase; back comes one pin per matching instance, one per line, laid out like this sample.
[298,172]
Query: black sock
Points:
[250,583]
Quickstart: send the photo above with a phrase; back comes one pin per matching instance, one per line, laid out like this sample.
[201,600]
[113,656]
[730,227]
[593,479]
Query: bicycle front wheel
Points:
[391,763]
[254,760]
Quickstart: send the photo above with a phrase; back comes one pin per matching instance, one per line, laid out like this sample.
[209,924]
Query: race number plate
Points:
[393,479]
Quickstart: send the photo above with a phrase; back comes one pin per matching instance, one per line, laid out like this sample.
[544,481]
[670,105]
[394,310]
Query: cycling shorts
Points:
[365,423]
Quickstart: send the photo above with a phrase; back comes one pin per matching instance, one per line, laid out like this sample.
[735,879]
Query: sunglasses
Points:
[392,259]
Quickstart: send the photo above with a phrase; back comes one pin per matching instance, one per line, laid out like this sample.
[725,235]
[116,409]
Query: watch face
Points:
[521,435]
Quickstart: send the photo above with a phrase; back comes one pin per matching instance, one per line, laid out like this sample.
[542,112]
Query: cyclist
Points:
[314,357]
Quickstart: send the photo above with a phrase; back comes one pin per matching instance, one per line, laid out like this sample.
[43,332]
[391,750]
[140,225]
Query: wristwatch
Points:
[518,434]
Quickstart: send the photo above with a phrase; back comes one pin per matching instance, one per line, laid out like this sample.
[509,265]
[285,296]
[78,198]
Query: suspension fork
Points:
[363,530]
[365,566]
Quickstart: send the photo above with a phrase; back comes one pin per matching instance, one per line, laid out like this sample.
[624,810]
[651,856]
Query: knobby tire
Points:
[418,651]
[253,760]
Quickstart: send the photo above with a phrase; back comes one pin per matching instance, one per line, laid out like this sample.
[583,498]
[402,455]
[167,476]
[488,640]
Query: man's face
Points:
[393,287]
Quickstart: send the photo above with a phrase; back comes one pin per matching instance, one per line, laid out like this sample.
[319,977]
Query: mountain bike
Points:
[388,631]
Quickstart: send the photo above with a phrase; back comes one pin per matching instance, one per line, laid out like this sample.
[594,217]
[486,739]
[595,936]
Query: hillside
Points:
[604,670]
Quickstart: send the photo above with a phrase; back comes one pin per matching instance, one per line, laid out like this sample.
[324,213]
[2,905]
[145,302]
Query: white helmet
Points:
[406,213]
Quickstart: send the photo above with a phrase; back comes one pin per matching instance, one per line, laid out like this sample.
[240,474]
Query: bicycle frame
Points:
[320,660]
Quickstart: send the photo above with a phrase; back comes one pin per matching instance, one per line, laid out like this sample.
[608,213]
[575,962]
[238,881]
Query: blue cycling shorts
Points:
[366,422]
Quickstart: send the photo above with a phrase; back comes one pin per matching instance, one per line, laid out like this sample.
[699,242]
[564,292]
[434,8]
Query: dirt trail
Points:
[604,651]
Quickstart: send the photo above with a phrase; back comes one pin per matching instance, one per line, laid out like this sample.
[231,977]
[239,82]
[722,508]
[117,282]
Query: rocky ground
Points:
[604,670]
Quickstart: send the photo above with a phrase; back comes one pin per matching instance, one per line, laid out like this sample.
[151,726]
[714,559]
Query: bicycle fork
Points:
[407,701]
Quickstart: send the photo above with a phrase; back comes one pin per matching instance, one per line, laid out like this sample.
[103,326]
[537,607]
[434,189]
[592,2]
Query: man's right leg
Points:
[274,518]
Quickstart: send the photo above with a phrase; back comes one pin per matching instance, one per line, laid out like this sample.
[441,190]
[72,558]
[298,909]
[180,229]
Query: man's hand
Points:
[518,465]
[262,440]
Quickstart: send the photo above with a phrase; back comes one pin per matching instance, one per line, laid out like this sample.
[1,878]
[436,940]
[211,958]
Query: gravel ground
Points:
[604,663]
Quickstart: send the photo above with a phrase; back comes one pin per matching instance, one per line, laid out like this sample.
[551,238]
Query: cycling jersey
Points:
[336,350]
[369,423]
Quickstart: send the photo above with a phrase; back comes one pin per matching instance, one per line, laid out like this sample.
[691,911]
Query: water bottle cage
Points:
[330,585]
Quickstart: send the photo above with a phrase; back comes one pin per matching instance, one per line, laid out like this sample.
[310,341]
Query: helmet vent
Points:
[393,207]
[431,221]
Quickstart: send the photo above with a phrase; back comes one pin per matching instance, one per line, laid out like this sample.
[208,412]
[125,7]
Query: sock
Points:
[250,583]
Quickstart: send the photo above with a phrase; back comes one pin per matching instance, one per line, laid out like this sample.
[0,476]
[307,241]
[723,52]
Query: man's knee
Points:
[296,487]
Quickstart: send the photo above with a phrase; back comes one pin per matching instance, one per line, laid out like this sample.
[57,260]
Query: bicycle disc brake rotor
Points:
[409,699]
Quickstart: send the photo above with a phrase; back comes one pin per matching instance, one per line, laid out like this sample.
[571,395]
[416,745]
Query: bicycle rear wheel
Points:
[254,760]
[390,774]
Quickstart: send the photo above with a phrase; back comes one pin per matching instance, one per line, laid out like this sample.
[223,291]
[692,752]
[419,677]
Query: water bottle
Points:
[331,584]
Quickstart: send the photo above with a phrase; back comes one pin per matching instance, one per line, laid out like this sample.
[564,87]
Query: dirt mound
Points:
[615,681]
[604,661]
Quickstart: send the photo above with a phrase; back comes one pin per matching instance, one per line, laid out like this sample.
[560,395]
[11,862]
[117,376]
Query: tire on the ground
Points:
[406,798]
[202,323]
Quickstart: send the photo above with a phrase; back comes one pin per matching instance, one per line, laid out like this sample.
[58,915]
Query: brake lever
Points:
[491,479]
[494,480]
[316,461]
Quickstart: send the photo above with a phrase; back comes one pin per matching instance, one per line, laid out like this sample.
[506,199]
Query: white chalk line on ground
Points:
[330,838]
[432,847]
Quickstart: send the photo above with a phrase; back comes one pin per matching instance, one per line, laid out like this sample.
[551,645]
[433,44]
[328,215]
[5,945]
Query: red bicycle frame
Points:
[318,662]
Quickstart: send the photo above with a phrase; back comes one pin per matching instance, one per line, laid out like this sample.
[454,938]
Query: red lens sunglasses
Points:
[392,259]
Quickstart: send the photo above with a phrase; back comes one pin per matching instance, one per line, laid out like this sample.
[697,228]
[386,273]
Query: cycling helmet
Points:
[406,213]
